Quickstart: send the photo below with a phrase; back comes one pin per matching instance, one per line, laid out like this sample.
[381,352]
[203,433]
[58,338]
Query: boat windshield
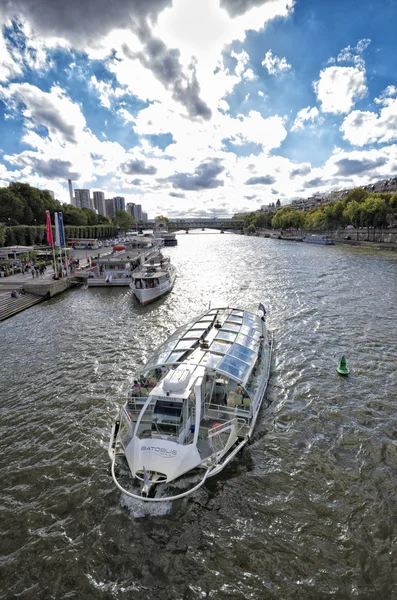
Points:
[168,418]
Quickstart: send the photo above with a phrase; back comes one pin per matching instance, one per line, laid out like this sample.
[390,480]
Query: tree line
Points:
[359,208]
[23,217]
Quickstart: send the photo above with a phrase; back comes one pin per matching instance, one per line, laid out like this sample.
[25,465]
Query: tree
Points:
[11,207]
[352,214]
[374,213]
[2,235]
[123,220]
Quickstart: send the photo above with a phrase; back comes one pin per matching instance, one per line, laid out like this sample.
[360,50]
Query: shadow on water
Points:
[307,511]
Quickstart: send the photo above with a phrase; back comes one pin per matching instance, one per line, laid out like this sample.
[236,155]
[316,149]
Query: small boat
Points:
[194,405]
[318,239]
[153,279]
[115,270]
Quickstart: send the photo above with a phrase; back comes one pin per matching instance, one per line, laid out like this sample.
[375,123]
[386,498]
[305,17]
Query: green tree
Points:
[123,220]
[2,235]
[353,214]
[11,207]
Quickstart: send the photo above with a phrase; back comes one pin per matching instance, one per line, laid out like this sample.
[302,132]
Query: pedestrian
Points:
[33,272]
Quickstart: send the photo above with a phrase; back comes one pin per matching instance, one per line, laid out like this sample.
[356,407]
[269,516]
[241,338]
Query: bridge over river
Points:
[222,224]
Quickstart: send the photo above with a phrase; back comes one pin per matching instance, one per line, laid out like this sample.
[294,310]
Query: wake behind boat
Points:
[195,404]
[153,279]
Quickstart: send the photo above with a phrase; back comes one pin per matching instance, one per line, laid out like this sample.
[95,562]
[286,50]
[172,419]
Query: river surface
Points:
[307,511]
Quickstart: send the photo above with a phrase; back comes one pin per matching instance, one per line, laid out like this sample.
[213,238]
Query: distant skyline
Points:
[198,107]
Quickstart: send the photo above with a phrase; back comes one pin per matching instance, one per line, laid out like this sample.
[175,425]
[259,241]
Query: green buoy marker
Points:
[342,367]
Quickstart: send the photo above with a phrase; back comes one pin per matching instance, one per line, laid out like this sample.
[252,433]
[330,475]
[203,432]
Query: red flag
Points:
[49,229]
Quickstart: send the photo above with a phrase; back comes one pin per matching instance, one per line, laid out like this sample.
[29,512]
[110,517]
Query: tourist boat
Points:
[318,239]
[194,405]
[153,279]
[168,237]
[116,269]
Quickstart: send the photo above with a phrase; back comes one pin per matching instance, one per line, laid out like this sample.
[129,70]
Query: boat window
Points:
[185,344]
[233,319]
[175,357]
[199,325]
[231,327]
[211,360]
[250,331]
[220,346]
[234,367]
[238,313]
[248,342]
[226,335]
[242,353]
[250,320]
[192,335]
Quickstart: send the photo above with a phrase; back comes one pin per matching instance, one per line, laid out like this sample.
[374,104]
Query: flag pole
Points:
[50,239]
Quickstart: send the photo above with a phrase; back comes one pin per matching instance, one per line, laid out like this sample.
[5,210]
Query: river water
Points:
[307,511]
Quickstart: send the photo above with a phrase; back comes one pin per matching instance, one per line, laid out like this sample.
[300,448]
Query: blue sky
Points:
[198,107]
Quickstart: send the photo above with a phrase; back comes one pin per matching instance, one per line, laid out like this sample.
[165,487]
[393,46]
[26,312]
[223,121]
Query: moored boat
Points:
[153,279]
[194,405]
[116,269]
[318,239]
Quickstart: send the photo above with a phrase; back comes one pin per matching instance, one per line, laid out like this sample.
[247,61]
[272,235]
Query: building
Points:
[83,199]
[51,193]
[138,212]
[144,217]
[119,203]
[72,202]
[130,208]
[109,208]
[99,202]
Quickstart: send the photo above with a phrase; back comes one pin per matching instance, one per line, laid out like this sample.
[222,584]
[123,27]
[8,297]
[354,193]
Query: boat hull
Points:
[147,295]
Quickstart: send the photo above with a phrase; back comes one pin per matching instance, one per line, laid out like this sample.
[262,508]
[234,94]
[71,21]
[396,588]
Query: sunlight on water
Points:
[306,511]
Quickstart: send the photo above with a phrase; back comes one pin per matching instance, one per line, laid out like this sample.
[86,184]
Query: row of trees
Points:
[23,217]
[22,235]
[359,208]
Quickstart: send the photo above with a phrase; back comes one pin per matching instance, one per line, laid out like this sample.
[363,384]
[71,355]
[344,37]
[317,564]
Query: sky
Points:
[198,108]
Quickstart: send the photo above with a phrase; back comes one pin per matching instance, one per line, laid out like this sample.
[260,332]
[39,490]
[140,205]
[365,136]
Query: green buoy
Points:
[342,367]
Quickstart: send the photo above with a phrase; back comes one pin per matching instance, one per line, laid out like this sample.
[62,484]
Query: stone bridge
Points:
[222,224]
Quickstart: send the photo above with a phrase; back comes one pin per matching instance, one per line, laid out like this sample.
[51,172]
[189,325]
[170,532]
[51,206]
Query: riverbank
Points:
[39,289]
[381,240]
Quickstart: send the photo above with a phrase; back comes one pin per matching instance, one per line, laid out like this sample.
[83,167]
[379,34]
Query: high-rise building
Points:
[130,208]
[144,217]
[109,208]
[119,203]
[138,212]
[71,192]
[51,193]
[99,202]
[83,199]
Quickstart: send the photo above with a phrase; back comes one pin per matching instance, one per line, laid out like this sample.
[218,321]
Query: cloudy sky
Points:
[198,107]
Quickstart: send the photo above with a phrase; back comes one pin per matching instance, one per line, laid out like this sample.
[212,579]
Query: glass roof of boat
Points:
[233,349]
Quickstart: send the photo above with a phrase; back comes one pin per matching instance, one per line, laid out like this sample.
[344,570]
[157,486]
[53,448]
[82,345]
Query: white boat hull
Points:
[147,295]
[114,282]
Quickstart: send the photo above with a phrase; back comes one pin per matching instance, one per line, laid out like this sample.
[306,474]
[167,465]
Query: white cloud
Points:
[105,91]
[339,88]
[384,97]
[365,127]
[304,115]
[9,68]
[275,64]
[354,54]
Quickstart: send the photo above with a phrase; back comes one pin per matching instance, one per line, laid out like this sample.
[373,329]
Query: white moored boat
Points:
[194,405]
[153,279]
[318,239]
